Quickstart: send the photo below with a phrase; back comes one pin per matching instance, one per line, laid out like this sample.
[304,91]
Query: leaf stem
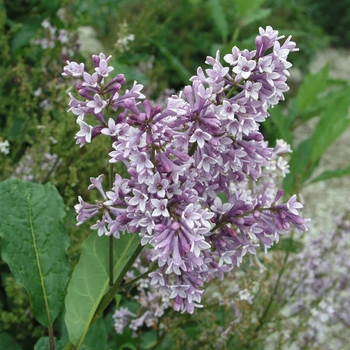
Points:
[113,290]
[51,337]
[111,260]
[111,175]
[69,346]
[273,294]
[127,285]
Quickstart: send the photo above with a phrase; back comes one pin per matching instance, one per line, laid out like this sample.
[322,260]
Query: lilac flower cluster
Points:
[153,304]
[191,165]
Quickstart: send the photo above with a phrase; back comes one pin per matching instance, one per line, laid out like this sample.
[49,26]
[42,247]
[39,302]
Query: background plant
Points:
[26,67]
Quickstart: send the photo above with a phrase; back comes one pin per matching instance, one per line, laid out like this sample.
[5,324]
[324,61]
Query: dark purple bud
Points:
[256,136]
[239,221]
[199,187]
[159,227]
[221,242]
[96,131]
[184,157]
[185,246]
[119,79]
[85,93]
[114,88]
[231,232]
[129,103]
[279,194]
[168,133]
[175,225]
[149,137]
[286,225]
[141,117]
[122,219]
[262,43]
[282,214]
[165,163]
[96,60]
[132,172]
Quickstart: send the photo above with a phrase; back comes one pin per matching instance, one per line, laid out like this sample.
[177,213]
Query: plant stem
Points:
[111,175]
[51,337]
[113,290]
[127,285]
[111,260]
[266,311]
[69,346]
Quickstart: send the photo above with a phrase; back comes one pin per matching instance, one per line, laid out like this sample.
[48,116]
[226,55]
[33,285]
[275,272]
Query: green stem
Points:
[192,149]
[69,346]
[266,311]
[230,93]
[113,290]
[145,274]
[111,175]
[110,242]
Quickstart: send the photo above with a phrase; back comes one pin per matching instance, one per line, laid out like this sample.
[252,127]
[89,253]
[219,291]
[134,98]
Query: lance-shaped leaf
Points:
[90,280]
[311,87]
[44,344]
[333,122]
[34,243]
[219,19]
[330,174]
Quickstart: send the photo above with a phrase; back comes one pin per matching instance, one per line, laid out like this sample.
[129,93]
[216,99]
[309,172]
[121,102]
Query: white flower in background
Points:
[124,38]
[5,147]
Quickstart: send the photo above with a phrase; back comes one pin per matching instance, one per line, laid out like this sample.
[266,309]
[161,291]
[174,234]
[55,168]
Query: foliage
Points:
[324,101]
[334,19]
[171,39]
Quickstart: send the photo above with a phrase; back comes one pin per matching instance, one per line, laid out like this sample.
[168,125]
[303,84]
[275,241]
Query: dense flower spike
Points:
[201,188]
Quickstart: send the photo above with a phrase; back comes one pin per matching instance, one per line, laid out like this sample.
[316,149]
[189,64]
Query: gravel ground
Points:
[323,198]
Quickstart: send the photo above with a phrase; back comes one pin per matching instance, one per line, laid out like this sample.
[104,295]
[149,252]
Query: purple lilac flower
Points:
[204,142]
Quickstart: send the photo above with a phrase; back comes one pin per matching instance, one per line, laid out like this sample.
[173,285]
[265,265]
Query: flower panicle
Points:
[202,180]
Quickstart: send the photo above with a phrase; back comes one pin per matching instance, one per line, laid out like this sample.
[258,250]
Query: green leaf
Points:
[330,174]
[288,244]
[130,72]
[149,340]
[283,123]
[96,337]
[90,280]
[128,346]
[245,7]
[27,31]
[320,104]
[44,343]
[257,15]
[333,122]
[311,87]
[174,62]
[219,18]
[300,168]
[34,243]
[223,197]
[8,342]
[118,299]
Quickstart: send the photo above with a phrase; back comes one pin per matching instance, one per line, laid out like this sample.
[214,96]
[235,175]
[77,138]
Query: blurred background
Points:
[160,44]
